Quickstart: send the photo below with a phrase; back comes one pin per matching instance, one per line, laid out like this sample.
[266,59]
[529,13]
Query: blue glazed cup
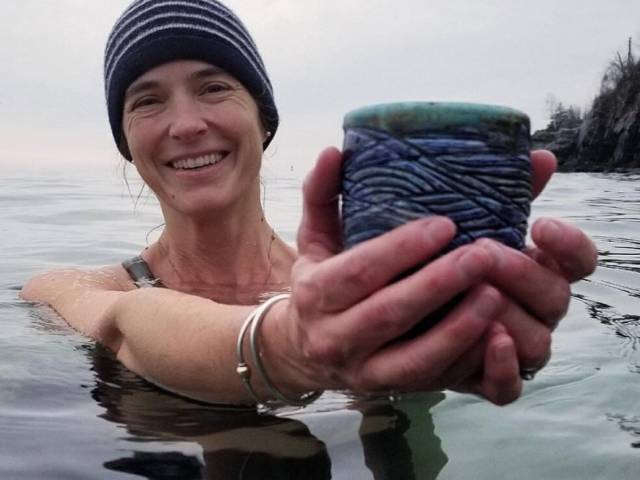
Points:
[470,162]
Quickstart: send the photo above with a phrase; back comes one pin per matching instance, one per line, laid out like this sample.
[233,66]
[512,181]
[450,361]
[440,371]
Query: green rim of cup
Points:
[406,117]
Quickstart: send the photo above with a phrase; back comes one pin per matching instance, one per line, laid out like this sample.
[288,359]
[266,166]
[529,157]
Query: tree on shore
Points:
[560,116]
[606,136]
[620,70]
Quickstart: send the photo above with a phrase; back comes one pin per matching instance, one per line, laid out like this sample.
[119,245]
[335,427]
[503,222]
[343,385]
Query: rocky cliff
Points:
[607,137]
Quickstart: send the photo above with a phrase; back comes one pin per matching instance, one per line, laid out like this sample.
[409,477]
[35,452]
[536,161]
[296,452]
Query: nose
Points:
[186,121]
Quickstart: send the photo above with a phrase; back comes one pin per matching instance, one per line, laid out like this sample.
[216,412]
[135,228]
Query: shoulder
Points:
[82,297]
[45,286]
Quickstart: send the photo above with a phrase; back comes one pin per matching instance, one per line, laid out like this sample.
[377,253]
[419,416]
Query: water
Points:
[69,411]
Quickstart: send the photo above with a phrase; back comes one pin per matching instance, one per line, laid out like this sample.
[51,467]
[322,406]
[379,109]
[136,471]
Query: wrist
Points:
[279,353]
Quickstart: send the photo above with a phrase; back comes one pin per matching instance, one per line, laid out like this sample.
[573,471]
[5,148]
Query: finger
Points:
[542,258]
[465,374]
[543,166]
[320,234]
[532,343]
[417,364]
[345,279]
[542,292]
[392,311]
[571,249]
[396,309]
[501,383]
[531,338]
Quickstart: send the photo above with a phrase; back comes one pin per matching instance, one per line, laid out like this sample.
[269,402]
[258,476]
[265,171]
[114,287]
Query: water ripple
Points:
[628,424]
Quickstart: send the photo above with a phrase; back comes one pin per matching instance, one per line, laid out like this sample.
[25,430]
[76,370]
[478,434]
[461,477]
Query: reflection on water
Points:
[69,410]
[241,443]
[630,425]
[235,444]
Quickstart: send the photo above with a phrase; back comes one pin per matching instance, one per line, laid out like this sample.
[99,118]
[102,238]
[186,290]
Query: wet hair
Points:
[150,33]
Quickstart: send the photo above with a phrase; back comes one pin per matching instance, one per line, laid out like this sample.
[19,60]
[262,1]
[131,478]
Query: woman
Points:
[190,104]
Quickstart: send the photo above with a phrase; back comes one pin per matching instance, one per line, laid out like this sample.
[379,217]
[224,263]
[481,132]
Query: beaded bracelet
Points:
[254,320]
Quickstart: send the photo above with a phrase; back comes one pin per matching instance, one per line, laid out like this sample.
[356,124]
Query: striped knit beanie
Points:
[152,32]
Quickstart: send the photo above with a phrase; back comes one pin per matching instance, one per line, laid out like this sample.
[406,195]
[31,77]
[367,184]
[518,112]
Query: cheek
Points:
[139,136]
[253,132]
[243,118]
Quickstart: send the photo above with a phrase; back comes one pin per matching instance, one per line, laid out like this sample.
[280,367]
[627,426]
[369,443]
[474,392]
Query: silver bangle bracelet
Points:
[254,321]
[242,369]
[304,399]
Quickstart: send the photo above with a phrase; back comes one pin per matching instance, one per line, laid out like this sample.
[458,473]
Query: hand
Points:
[347,311]
[562,248]
[333,333]
[538,290]
[559,246]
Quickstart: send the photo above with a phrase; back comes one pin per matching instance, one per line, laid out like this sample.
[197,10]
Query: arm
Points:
[181,342]
[186,343]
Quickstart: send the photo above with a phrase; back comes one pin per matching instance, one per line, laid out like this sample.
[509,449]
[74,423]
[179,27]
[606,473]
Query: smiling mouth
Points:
[198,162]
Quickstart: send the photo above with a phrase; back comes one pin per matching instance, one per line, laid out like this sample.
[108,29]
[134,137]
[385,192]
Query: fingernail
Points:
[496,248]
[486,306]
[552,231]
[475,262]
[503,352]
[437,230]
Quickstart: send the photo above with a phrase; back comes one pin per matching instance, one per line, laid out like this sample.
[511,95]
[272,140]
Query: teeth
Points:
[189,163]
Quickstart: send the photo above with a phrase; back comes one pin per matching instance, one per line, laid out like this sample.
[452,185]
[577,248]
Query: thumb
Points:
[543,166]
[320,233]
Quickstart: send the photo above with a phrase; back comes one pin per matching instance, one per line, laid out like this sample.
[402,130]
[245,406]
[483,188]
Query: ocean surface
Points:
[69,411]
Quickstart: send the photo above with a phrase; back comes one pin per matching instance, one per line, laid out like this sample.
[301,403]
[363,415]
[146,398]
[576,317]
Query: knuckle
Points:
[559,303]
[322,350]
[408,239]
[357,273]
[386,318]
[389,325]
[519,267]
[305,293]
[415,372]
[437,285]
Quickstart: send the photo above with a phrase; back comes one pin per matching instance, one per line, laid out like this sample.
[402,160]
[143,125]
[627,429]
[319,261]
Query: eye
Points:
[214,88]
[142,102]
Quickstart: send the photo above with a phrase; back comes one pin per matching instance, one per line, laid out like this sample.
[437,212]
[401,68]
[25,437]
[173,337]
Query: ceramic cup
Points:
[470,162]
[404,161]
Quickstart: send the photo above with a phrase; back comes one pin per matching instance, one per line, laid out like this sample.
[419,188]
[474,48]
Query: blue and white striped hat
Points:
[152,32]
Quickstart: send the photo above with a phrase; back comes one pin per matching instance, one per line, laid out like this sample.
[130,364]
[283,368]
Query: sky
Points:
[324,57]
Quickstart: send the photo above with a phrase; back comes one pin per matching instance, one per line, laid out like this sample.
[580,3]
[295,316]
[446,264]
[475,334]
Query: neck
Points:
[228,257]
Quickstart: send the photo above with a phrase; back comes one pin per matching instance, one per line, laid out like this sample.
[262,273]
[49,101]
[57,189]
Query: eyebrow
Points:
[138,87]
[206,72]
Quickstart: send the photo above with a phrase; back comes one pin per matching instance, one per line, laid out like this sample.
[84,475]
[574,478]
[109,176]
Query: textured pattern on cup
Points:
[409,160]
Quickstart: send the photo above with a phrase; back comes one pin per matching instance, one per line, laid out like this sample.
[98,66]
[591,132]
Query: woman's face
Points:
[195,136]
